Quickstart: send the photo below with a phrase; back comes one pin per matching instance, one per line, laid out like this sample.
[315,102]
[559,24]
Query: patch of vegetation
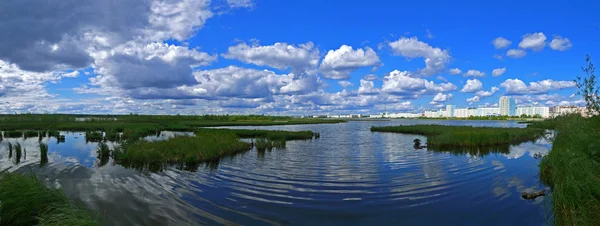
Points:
[112,135]
[18,151]
[93,136]
[268,134]
[29,134]
[448,137]
[103,153]
[43,154]
[572,167]
[25,200]
[141,123]
[13,134]
[205,146]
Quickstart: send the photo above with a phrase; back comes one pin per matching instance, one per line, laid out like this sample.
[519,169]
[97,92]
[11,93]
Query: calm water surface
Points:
[350,176]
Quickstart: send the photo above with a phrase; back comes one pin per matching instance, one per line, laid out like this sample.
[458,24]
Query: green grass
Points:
[103,153]
[25,200]
[112,135]
[93,136]
[449,137]
[13,134]
[18,153]
[43,154]
[572,169]
[205,146]
[10,150]
[144,122]
[30,133]
[268,134]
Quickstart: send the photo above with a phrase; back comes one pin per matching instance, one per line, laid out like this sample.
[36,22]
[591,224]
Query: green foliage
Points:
[27,201]
[572,168]
[588,88]
[448,137]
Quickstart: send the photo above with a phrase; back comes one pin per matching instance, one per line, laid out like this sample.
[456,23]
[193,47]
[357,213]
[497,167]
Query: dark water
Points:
[350,176]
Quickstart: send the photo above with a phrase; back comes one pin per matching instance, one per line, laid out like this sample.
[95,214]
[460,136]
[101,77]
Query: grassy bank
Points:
[447,137]
[572,169]
[25,200]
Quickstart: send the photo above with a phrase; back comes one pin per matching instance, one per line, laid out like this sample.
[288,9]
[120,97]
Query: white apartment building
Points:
[531,111]
[484,112]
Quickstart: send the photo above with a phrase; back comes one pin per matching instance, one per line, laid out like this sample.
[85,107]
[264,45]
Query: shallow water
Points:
[350,176]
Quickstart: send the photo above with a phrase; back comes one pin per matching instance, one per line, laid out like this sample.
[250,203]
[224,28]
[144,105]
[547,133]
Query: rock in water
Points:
[533,195]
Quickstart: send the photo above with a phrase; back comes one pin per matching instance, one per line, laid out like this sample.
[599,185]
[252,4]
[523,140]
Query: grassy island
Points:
[444,137]
[207,145]
[25,200]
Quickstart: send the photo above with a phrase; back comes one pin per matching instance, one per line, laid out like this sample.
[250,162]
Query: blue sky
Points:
[292,57]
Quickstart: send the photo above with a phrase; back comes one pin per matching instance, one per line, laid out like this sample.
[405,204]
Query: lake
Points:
[350,176]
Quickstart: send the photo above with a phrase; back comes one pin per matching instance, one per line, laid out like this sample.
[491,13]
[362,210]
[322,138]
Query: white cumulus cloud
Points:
[516,53]
[561,44]
[501,43]
[474,73]
[436,59]
[338,64]
[473,85]
[534,41]
[518,87]
[498,71]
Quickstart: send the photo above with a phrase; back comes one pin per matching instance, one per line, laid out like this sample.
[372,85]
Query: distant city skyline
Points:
[289,57]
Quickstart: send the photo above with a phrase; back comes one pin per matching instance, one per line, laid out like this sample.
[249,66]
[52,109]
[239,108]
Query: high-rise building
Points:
[450,111]
[508,106]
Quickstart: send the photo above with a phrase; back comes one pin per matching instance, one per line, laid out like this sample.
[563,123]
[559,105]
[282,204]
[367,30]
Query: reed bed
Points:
[104,153]
[27,201]
[13,134]
[93,136]
[120,123]
[441,137]
[18,153]
[29,134]
[268,134]
[205,146]
[572,169]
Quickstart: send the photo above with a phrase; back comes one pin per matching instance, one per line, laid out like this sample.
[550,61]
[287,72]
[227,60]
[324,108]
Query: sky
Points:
[290,57]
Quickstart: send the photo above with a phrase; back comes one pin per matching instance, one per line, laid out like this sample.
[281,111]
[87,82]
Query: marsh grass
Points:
[93,136]
[572,169]
[205,146]
[10,150]
[53,133]
[268,134]
[27,201]
[18,150]
[30,134]
[112,135]
[13,134]
[447,137]
[136,124]
[43,154]
[103,152]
